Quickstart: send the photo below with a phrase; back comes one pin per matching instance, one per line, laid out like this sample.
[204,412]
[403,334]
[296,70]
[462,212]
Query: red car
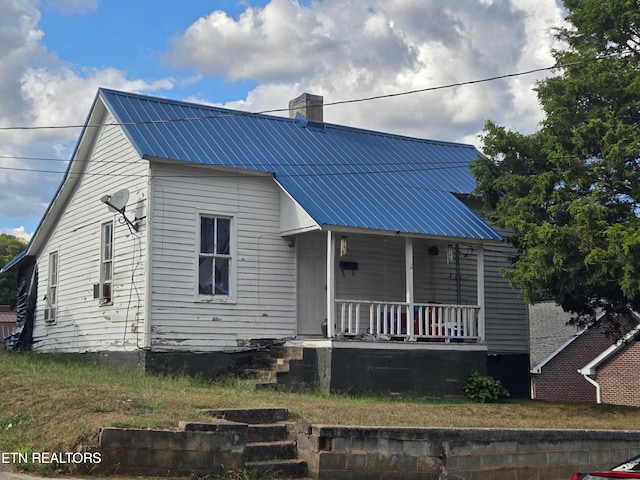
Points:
[629,469]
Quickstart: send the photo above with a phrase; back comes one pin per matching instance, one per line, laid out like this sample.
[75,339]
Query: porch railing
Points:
[427,321]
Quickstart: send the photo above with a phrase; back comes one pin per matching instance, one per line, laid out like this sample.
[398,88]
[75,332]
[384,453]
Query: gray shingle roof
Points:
[548,330]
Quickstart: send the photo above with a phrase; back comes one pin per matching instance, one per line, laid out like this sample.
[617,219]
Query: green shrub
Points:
[483,389]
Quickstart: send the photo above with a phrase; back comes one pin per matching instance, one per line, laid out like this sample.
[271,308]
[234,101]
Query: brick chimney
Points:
[307,105]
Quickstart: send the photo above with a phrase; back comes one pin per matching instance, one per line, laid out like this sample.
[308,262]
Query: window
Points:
[106,263]
[52,289]
[214,262]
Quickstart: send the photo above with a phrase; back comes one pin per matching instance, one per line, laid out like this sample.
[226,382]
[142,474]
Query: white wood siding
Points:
[82,325]
[264,305]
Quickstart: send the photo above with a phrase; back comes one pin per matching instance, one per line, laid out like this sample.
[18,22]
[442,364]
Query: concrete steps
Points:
[269,449]
[268,432]
[251,416]
[263,373]
[274,450]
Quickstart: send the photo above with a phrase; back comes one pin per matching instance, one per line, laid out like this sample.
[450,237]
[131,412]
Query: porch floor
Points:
[391,344]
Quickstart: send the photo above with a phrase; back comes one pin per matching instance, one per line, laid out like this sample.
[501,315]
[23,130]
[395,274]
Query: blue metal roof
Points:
[339,175]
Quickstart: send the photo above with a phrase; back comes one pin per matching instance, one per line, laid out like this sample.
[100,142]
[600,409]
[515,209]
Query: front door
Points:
[312,284]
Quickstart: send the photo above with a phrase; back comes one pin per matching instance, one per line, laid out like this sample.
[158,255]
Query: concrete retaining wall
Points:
[172,453]
[370,453]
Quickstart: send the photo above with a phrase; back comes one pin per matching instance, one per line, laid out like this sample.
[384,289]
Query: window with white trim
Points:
[106,263]
[215,257]
[52,289]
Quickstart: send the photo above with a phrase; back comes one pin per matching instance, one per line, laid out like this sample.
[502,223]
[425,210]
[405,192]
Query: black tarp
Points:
[22,335]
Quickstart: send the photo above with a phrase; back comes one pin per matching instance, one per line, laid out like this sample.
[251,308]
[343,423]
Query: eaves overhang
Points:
[591,367]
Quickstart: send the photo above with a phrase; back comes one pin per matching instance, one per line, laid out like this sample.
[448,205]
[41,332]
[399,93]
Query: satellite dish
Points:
[117,201]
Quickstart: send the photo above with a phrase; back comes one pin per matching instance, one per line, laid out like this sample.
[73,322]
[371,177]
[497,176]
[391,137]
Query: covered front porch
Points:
[381,287]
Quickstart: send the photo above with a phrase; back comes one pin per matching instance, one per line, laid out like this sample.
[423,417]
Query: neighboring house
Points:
[567,373]
[188,236]
[556,378]
[615,373]
[7,321]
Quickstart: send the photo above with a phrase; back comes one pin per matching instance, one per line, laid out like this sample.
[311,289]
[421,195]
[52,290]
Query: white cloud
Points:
[17,232]
[272,42]
[342,49]
[20,40]
[39,89]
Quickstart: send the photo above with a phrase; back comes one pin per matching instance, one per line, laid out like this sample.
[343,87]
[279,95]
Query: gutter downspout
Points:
[595,384]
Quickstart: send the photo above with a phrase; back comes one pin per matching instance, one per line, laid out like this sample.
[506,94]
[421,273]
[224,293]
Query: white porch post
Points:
[480,282]
[331,284]
[408,256]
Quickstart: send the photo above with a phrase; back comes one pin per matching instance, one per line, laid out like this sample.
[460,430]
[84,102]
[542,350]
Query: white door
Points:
[312,285]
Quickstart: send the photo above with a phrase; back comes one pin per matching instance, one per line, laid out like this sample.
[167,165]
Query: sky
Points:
[256,55]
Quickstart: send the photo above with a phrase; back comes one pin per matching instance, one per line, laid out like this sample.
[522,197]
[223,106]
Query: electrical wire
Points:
[247,165]
[277,175]
[416,166]
[253,165]
[451,85]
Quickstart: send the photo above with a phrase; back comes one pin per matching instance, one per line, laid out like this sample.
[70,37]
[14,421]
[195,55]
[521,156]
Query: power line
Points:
[249,165]
[443,166]
[441,87]
[340,102]
[439,165]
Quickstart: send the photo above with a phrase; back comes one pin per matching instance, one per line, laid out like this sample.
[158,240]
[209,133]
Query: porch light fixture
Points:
[343,246]
[449,254]
[433,251]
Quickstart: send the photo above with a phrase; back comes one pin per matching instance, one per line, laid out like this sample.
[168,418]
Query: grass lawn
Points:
[49,403]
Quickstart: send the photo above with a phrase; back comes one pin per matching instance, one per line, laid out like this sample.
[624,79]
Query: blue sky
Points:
[134,38]
[256,55]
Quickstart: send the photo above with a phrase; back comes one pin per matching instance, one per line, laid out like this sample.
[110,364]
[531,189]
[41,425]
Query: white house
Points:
[186,235]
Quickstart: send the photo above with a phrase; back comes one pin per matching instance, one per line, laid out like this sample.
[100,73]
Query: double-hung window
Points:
[52,289]
[215,257]
[106,263]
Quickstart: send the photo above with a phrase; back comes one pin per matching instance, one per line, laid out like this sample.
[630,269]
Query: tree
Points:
[570,192]
[10,246]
